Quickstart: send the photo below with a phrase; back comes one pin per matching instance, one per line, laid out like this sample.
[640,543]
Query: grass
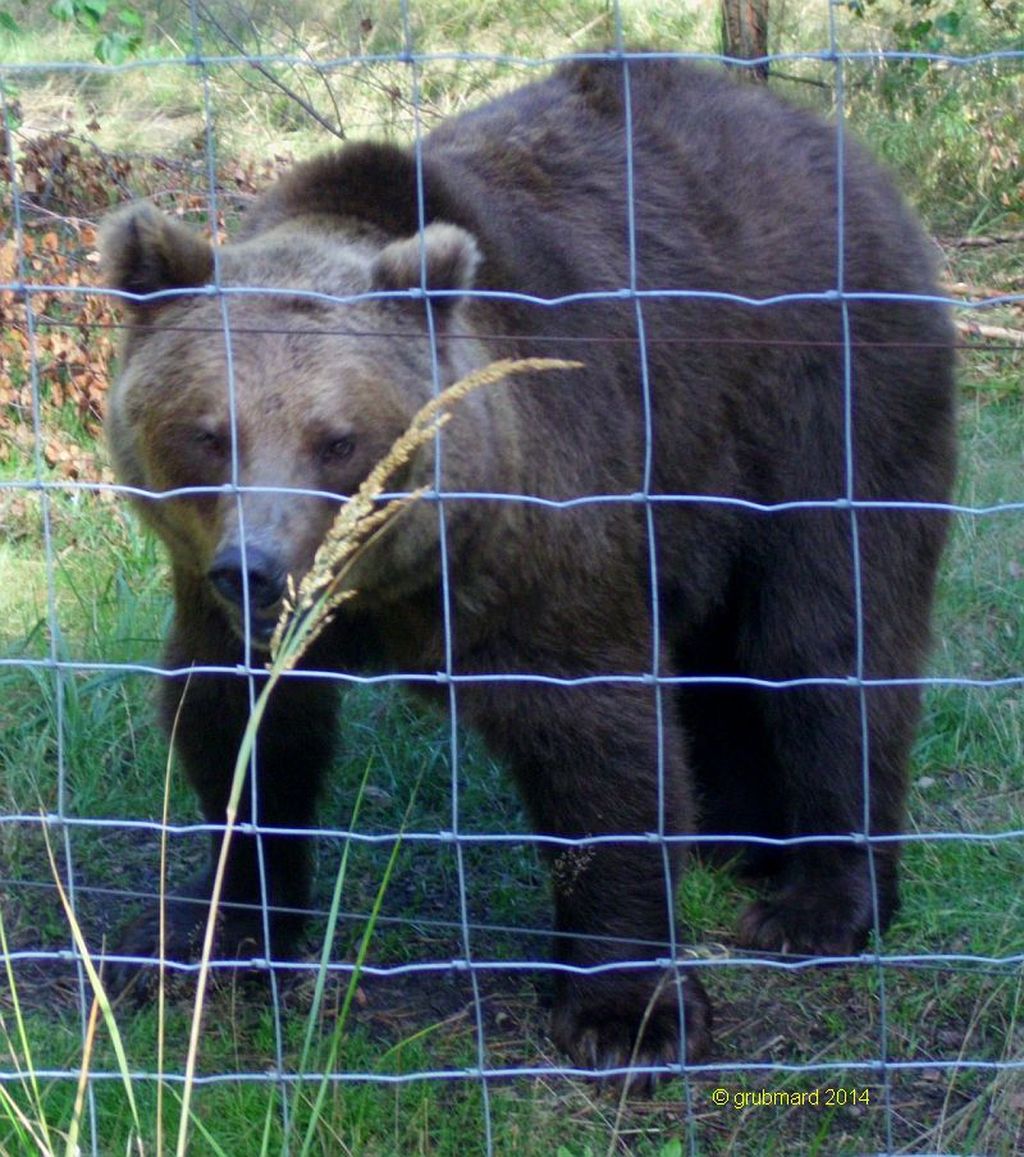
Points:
[81,741]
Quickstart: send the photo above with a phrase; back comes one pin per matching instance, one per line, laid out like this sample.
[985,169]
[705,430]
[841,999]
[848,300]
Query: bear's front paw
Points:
[142,943]
[611,1021]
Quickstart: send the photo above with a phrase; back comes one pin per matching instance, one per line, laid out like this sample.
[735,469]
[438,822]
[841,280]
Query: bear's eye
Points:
[337,449]
[210,442]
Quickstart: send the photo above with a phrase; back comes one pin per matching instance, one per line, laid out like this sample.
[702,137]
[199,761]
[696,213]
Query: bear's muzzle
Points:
[235,575]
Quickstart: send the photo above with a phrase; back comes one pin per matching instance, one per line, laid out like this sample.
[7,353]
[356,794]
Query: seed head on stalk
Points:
[307,610]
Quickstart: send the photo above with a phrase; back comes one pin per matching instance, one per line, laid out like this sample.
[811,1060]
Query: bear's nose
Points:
[261,573]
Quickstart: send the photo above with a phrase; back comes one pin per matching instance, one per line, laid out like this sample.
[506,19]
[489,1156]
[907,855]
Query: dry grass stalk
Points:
[310,607]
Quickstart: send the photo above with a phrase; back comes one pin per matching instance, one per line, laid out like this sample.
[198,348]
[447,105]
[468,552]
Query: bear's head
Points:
[258,385]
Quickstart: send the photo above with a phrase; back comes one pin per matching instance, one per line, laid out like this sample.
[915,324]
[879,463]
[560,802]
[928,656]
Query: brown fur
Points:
[734,193]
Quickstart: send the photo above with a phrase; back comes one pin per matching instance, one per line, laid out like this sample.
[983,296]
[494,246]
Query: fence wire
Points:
[480,953]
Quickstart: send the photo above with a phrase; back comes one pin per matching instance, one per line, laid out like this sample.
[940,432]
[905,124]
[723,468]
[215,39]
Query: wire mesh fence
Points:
[414,1010]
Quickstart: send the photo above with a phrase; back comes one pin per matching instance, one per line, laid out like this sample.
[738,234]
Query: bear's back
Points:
[730,188]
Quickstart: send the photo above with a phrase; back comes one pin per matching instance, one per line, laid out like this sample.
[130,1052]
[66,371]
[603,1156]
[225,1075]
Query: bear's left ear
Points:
[143,251]
[447,254]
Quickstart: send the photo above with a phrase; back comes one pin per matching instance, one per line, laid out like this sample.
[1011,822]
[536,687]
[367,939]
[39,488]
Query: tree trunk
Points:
[745,33]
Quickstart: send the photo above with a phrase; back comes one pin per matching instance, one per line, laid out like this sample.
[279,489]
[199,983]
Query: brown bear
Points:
[682,590]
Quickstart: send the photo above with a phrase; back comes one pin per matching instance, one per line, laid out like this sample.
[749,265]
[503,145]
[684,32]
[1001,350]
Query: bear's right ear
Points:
[142,251]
